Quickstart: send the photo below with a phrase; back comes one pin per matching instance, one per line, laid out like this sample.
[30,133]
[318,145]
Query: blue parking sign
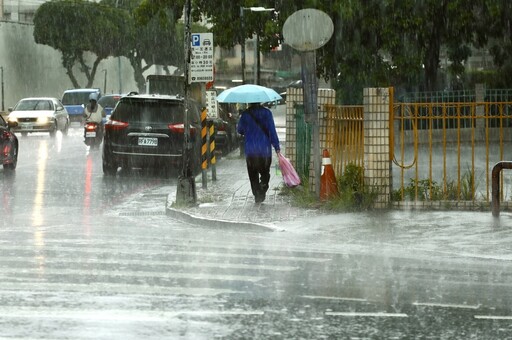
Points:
[196,40]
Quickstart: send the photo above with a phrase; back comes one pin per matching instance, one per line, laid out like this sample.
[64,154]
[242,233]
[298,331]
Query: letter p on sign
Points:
[196,41]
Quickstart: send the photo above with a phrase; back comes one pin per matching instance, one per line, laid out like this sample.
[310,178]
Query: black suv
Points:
[148,131]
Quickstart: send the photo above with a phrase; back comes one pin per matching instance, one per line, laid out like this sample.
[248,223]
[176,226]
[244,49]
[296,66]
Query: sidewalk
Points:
[228,201]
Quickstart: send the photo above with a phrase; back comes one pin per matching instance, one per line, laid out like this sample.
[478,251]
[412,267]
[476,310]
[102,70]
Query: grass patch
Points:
[353,194]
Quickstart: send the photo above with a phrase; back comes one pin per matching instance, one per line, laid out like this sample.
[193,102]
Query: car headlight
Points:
[43,119]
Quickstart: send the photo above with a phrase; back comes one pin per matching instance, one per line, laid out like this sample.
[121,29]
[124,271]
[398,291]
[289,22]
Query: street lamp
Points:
[257,57]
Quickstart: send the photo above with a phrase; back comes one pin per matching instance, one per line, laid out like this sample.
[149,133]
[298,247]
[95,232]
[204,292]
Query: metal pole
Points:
[310,89]
[258,63]
[105,82]
[186,190]
[3,107]
[255,63]
[242,43]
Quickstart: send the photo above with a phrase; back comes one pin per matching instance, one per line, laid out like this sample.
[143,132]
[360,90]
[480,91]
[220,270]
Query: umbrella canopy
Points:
[248,93]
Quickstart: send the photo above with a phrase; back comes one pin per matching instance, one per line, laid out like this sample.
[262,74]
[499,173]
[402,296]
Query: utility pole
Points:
[307,30]
[3,106]
[186,191]
[242,43]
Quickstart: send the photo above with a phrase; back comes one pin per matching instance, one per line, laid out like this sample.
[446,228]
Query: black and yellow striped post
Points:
[204,148]
[212,151]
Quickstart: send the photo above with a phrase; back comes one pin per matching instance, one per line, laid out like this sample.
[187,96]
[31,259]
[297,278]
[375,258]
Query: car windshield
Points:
[75,98]
[34,105]
[149,111]
[108,101]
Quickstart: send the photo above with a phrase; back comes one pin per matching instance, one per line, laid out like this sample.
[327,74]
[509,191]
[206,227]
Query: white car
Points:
[39,114]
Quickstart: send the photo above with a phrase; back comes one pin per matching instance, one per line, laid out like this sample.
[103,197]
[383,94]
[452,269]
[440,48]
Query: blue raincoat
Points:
[258,142]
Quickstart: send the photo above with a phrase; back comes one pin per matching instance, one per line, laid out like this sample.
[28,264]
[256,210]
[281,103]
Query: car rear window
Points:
[108,101]
[75,98]
[151,111]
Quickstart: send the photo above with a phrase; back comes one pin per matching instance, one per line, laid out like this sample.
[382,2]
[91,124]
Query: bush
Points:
[353,194]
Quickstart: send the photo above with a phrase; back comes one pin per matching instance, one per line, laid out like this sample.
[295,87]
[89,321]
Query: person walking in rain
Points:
[257,126]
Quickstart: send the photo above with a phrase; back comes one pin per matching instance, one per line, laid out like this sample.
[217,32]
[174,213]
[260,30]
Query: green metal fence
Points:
[303,142]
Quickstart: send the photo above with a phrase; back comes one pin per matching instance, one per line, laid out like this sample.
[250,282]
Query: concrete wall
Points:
[32,69]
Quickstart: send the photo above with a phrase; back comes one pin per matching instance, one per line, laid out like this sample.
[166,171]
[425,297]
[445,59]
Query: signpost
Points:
[306,31]
[201,58]
[211,103]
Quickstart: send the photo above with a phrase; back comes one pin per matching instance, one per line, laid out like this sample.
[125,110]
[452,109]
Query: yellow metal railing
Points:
[450,148]
[345,138]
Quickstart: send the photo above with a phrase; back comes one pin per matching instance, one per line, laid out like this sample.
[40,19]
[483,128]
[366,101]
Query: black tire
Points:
[53,132]
[109,166]
[12,166]
[66,128]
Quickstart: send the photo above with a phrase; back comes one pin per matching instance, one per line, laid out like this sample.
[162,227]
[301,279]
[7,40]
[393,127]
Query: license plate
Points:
[27,126]
[90,134]
[148,141]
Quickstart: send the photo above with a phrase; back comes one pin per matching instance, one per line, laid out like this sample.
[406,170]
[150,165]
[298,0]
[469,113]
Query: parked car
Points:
[8,145]
[39,114]
[108,102]
[148,131]
[226,136]
[75,101]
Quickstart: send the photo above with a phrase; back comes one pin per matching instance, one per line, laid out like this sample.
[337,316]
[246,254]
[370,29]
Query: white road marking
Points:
[493,317]
[15,272]
[372,315]
[7,288]
[314,297]
[125,262]
[113,315]
[118,251]
[445,305]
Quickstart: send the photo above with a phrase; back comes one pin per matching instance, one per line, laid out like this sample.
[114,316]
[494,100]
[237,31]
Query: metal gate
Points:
[446,150]
[345,137]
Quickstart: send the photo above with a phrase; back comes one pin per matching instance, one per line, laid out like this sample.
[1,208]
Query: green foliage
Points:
[77,27]
[427,190]
[353,194]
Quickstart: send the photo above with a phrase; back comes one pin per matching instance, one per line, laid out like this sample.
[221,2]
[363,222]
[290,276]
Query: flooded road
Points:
[88,257]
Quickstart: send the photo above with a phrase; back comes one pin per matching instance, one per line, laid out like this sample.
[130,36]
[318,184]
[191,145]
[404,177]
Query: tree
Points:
[77,27]
[156,35]
[494,30]
[375,42]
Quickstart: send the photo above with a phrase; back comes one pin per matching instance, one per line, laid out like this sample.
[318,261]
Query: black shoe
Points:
[259,198]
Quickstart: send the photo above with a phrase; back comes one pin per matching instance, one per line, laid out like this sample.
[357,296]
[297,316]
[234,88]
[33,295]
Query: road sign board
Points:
[211,104]
[201,62]
[307,29]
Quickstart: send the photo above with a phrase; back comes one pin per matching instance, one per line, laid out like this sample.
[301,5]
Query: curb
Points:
[190,218]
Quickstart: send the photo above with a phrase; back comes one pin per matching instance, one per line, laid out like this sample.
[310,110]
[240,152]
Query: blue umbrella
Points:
[248,93]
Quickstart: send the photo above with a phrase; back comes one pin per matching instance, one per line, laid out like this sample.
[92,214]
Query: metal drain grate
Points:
[142,213]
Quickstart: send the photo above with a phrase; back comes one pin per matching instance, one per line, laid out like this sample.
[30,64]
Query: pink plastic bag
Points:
[290,176]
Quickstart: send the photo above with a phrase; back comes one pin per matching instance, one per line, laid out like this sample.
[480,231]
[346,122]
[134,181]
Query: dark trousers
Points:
[258,169]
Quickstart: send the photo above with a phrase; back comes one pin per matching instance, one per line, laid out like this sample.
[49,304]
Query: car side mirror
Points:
[10,109]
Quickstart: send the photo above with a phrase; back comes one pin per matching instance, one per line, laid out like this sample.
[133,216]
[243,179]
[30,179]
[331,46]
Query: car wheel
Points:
[53,132]
[109,166]
[12,166]
[66,128]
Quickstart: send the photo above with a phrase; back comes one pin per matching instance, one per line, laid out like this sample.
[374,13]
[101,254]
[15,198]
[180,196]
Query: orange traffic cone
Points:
[328,185]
